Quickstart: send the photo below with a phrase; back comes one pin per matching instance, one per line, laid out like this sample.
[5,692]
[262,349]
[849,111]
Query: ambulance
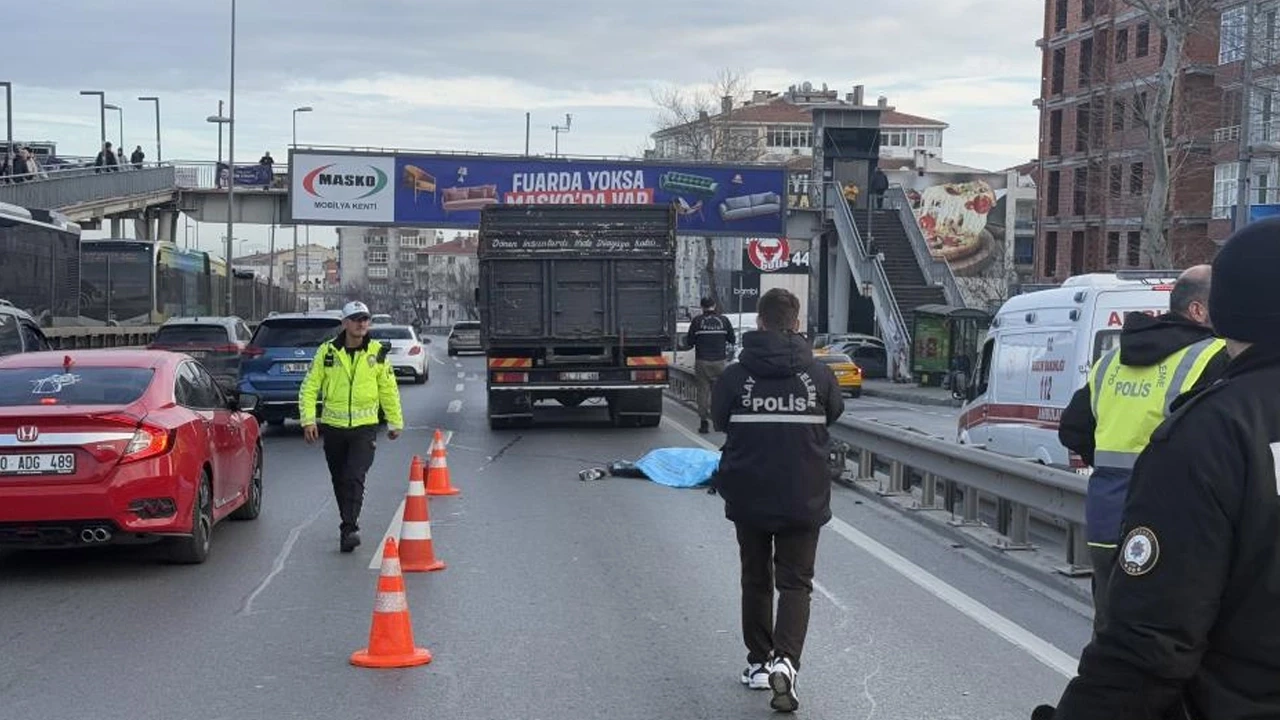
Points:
[1038,352]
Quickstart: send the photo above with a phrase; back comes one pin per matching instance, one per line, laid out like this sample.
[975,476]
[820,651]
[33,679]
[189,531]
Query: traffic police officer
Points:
[351,376]
[1129,393]
[1193,631]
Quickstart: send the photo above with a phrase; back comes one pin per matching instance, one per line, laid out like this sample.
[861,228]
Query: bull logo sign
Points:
[769,254]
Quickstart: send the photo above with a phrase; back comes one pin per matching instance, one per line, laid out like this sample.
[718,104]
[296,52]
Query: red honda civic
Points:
[122,446]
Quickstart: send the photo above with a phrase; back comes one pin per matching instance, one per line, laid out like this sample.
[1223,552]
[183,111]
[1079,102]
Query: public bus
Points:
[143,282]
[40,270]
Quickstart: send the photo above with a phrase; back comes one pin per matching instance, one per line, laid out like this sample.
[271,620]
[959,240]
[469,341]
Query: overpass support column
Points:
[840,284]
[117,227]
[166,225]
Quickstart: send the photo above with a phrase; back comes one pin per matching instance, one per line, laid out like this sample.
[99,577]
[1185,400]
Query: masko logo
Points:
[365,180]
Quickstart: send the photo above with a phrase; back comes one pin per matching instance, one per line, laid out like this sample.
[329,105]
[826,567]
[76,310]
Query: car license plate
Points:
[38,464]
[294,367]
[579,376]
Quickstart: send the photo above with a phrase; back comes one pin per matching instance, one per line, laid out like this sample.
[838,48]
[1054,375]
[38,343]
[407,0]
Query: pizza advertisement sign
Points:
[965,217]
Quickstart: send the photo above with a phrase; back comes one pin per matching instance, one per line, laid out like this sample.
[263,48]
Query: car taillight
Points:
[226,348]
[415,350]
[250,352]
[148,441]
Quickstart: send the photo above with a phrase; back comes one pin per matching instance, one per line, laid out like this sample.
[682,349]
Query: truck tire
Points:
[506,413]
[636,408]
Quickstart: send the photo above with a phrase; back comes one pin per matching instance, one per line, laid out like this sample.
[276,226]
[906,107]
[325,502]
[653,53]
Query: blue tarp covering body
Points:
[679,467]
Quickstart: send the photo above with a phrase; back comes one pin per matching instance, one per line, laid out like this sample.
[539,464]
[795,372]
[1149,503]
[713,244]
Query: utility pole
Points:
[1245,153]
[557,129]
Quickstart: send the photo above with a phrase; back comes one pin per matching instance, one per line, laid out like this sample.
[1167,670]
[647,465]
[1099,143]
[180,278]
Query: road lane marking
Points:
[1032,644]
[277,566]
[458,387]
[397,520]
[455,406]
[461,374]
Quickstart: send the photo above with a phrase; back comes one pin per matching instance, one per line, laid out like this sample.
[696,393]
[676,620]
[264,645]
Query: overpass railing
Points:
[887,457]
[203,175]
[68,187]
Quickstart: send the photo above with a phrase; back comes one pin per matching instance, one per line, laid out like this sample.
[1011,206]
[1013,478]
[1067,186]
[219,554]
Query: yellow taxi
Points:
[848,374]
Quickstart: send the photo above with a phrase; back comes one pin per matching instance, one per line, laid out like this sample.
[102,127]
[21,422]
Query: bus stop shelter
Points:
[944,336]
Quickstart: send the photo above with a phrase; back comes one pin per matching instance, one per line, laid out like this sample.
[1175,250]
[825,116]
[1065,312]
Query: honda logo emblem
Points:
[28,433]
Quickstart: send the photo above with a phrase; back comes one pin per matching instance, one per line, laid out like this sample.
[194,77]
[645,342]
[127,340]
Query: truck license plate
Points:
[38,464]
[579,376]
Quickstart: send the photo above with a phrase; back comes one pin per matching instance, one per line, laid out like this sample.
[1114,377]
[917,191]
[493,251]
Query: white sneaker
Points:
[756,676]
[782,680]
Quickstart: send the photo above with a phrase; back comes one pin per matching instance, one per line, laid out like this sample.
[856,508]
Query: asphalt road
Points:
[614,598]
[931,419]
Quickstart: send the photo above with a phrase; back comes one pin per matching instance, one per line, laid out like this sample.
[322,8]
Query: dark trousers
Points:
[1103,560]
[349,453]
[783,560]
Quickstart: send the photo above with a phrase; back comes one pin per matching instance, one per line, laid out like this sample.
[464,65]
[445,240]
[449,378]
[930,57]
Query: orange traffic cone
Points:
[391,636]
[416,551]
[438,470]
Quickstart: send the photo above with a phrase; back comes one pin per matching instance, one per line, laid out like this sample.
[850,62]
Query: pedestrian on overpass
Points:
[1193,629]
[1129,393]
[774,406]
[710,334]
[352,378]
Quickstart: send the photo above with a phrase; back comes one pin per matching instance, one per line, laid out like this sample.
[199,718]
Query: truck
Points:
[577,302]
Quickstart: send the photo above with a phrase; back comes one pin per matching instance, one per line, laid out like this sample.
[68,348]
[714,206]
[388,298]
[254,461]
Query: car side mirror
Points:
[244,402]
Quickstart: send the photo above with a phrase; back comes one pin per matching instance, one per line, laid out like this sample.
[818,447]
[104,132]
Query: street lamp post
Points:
[156,100]
[8,120]
[294,146]
[102,116]
[229,120]
[120,148]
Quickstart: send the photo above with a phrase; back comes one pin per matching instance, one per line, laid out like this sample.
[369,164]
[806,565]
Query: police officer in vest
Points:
[351,376]
[1193,630]
[1129,393]
[710,335]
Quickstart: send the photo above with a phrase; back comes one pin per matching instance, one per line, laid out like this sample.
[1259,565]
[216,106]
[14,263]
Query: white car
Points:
[408,357]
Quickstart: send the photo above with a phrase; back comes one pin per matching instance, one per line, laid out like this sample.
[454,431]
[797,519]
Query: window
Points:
[1080,191]
[376,256]
[92,386]
[296,333]
[1113,249]
[1053,194]
[1077,252]
[1024,251]
[408,257]
[195,389]
[10,335]
[1055,132]
[1140,109]
[1082,127]
[1117,180]
[1122,45]
[1059,72]
[33,338]
[1086,61]
[984,366]
[1118,110]
[1144,40]
[1060,16]
[1135,248]
[1050,254]
[1086,9]
[782,136]
[379,271]
[1137,178]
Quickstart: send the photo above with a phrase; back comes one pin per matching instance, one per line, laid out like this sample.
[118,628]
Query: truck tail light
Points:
[511,377]
[649,375]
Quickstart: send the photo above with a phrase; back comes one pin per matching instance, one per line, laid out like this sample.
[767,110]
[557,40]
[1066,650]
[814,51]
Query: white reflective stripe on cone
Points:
[390,602]
[437,462]
[390,567]
[417,489]
[415,530]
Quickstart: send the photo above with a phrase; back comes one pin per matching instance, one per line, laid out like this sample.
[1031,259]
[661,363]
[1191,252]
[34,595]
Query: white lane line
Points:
[461,374]
[455,406]
[277,566]
[393,530]
[830,596]
[1032,644]
[458,387]
[457,363]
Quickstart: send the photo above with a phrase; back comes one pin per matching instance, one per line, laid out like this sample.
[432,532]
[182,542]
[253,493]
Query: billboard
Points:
[345,189]
[448,191]
[963,215]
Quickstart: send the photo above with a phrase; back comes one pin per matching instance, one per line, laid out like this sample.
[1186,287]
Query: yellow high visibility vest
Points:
[1130,402]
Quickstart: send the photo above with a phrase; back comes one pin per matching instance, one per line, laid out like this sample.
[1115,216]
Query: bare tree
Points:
[689,120]
[461,286]
[1176,21]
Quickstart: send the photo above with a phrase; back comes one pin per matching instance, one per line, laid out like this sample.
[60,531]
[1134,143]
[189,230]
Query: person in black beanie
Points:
[1194,626]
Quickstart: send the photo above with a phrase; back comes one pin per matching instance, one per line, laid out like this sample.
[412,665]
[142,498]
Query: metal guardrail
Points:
[68,188]
[869,270]
[85,338]
[935,270]
[947,470]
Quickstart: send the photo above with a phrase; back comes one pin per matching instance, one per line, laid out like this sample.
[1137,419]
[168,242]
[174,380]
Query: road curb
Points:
[907,397]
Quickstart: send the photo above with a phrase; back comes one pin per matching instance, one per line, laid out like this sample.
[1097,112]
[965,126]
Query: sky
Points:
[430,75]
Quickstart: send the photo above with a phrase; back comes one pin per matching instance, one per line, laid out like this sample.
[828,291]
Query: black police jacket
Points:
[710,335]
[774,406]
[1194,620]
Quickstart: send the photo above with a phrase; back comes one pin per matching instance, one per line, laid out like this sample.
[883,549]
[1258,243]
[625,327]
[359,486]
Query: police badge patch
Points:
[1140,552]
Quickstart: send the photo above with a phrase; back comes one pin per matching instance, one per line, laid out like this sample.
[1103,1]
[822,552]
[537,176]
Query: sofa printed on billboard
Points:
[450,191]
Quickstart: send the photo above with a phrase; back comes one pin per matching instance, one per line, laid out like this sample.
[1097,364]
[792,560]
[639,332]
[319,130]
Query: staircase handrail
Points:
[936,270]
[886,305]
